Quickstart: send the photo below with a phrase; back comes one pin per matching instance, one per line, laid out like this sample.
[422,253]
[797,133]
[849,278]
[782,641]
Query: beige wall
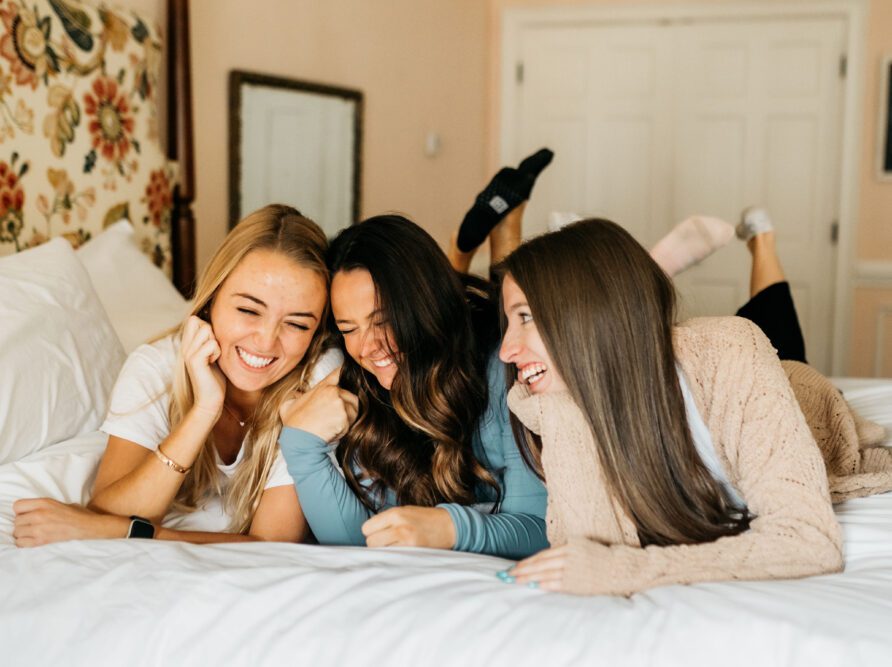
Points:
[875,223]
[872,309]
[433,65]
[420,63]
[872,312]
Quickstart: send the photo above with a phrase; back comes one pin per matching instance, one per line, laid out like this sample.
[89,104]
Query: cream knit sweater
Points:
[762,441]
[856,465]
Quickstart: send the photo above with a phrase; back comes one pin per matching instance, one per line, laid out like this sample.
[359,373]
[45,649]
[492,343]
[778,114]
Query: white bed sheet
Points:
[148,603]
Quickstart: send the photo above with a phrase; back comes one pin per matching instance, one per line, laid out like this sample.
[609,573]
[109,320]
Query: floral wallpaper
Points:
[79,145]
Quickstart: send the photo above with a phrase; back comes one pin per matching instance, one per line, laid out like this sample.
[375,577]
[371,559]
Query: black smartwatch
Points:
[140,527]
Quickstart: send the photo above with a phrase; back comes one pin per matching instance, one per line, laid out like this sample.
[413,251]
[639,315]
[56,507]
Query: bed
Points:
[141,602]
[66,322]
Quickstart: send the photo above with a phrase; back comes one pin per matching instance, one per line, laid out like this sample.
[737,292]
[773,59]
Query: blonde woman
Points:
[194,416]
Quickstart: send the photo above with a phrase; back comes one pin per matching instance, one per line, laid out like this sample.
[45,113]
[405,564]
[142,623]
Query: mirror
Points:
[297,143]
[884,157]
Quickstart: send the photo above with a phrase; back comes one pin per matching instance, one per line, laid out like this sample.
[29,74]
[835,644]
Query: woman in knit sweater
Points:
[671,454]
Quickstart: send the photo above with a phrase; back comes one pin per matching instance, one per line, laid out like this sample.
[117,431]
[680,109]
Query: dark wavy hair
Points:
[416,438]
[605,311]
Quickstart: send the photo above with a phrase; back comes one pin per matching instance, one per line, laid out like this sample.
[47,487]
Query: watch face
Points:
[140,527]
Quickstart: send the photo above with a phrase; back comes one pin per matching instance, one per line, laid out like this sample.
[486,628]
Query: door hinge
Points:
[834,232]
[843,66]
[518,72]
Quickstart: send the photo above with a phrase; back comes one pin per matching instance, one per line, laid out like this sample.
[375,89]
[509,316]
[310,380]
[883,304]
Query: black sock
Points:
[506,191]
[533,165]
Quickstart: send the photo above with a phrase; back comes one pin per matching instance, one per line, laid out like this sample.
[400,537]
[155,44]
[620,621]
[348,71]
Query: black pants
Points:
[773,311]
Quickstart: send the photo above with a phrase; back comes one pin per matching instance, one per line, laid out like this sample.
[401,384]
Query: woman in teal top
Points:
[425,443]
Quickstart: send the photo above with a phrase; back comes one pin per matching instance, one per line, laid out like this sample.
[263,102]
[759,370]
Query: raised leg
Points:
[461,261]
[691,241]
[757,230]
[766,269]
[505,236]
[771,304]
[497,212]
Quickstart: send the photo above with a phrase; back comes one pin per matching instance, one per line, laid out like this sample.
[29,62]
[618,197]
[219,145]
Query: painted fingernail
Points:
[509,579]
[533,584]
[501,574]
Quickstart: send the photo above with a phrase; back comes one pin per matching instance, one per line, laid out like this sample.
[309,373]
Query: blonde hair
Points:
[284,230]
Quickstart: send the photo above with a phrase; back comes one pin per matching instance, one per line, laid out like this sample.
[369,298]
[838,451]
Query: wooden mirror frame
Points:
[239,78]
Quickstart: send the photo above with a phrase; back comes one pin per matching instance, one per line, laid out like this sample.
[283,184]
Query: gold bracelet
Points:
[170,463]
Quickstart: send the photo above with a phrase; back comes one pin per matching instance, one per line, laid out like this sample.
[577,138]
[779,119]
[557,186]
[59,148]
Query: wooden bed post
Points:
[180,146]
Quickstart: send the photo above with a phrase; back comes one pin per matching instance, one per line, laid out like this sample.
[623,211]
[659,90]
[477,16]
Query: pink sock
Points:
[691,241]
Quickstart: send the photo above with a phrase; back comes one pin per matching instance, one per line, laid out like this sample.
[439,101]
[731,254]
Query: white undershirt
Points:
[703,442]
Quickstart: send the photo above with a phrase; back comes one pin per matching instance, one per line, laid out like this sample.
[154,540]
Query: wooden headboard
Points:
[80,129]
[180,147]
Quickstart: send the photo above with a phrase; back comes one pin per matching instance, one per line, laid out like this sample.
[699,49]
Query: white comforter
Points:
[141,602]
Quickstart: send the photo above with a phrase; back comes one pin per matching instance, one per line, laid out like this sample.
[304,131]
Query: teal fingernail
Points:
[501,574]
[533,584]
[508,579]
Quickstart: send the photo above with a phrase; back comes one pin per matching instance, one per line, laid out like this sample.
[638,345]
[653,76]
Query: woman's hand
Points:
[326,410]
[200,353]
[558,569]
[544,570]
[40,521]
[410,527]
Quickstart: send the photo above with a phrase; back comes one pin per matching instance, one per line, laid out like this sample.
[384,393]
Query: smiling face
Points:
[264,316]
[367,337]
[523,346]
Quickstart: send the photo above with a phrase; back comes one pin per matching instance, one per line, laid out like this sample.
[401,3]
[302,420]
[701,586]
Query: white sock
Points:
[753,221]
[558,219]
[691,241]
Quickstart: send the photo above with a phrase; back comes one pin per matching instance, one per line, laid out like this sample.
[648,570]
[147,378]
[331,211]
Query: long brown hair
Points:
[284,230]
[416,438]
[605,311]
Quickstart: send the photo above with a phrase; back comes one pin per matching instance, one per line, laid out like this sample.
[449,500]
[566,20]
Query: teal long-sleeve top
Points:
[515,529]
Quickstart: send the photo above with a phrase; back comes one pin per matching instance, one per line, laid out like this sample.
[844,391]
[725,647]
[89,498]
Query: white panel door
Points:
[758,120]
[596,97]
[653,122]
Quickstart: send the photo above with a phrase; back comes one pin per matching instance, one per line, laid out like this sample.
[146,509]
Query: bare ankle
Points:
[460,260]
[762,243]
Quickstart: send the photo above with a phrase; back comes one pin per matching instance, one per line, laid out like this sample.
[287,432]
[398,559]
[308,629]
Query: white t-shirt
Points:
[138,409]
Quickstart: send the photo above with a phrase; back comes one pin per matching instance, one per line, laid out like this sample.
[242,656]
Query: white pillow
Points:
[140,300]
[59,355]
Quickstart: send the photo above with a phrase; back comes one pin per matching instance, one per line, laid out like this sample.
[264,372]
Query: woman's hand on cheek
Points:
[326,410]
[410,527]
[40,521]
[200,353]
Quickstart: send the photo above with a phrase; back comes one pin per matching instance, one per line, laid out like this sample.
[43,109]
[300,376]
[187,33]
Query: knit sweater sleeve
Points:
[779,471]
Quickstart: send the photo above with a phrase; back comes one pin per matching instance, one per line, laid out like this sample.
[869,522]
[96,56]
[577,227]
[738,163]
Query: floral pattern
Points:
[12,200]
[78,84]
[159,198]
[26,45]
[111,124]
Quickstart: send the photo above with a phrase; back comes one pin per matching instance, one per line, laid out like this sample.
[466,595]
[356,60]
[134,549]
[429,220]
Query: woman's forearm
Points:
[506,535]
[149,489]
[199,537]
[118,526]
[333,511]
